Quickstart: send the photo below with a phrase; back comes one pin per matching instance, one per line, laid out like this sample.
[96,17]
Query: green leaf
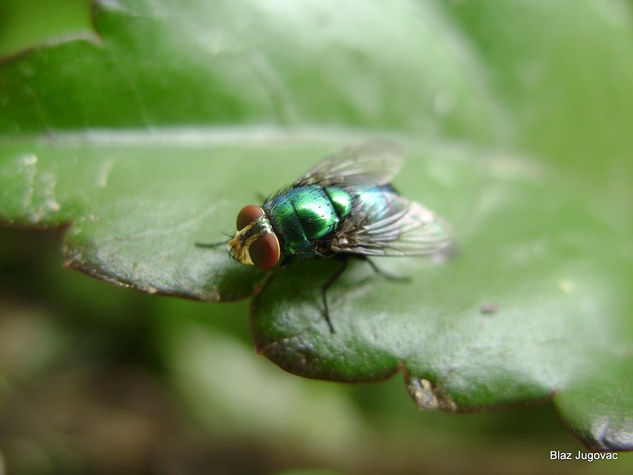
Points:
[532,304]
[135,213]
[149,136]
[25,24]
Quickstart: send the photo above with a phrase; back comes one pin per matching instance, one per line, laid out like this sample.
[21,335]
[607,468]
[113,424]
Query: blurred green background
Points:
[100,379]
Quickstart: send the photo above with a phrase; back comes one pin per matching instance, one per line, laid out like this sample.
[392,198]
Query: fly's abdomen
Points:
[305,214]
[377,202]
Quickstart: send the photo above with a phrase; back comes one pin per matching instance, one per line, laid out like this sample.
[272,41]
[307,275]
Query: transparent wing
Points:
[406,229]
[374,162]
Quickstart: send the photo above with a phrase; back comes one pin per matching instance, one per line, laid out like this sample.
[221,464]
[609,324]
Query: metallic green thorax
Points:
[305,214]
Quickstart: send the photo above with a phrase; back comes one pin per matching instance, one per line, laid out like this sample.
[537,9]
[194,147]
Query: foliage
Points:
[149,135]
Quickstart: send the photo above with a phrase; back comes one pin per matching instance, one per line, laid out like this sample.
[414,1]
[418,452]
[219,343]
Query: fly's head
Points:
[255,242]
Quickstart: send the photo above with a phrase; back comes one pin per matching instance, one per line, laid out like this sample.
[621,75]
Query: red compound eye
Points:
[265,252]
[248,214]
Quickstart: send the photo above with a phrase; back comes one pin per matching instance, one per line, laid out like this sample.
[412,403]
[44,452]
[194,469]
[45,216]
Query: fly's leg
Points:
[386,275]
[286,261]
[209,245]
[214,245]
[333,278]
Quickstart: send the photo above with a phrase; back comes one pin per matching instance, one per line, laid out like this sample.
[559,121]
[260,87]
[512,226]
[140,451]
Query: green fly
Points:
[342,208]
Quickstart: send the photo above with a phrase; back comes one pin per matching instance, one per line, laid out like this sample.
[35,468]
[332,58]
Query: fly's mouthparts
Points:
[246,236]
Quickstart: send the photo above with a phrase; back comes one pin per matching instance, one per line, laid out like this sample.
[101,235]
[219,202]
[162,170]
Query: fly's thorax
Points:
[255,242]
[341,200]
[303,215]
